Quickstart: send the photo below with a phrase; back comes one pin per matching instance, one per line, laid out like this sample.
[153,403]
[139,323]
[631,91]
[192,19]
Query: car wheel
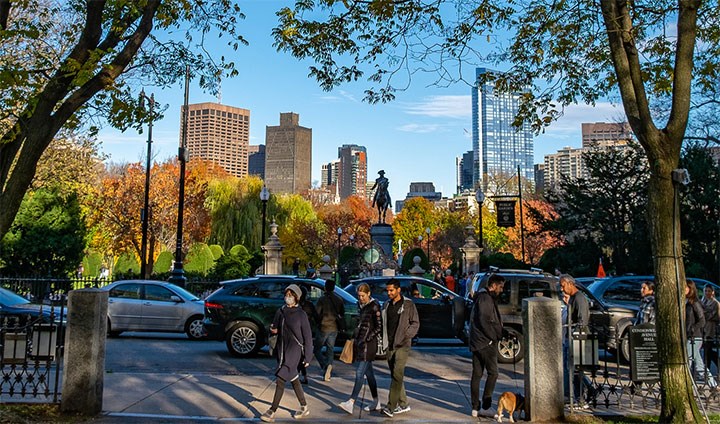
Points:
[625,346]
[110,332]
[243,339]
[510,348]
[194,328]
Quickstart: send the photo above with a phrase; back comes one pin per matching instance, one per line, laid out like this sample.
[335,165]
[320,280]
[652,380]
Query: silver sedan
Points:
[144,305]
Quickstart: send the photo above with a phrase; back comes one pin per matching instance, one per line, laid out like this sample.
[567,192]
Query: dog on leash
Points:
[510,402]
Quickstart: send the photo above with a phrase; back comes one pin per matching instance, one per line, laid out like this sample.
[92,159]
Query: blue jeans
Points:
[327,340]
[364,369]
[697,365]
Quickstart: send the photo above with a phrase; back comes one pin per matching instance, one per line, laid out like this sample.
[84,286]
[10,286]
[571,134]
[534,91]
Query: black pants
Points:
[483,359]
[280,390]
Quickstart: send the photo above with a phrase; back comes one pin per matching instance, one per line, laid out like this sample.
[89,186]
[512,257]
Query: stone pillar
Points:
[84,357]
[471,253]
[543,360]
[416,270]
[383,236]
[273,252]
[325,271]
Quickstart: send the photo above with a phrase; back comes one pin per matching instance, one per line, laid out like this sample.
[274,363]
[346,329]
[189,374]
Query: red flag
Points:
[601,270]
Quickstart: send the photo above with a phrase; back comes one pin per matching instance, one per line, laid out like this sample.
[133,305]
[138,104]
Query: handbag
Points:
[347,352]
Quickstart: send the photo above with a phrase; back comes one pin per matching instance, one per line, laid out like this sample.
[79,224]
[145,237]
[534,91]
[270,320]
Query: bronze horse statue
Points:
[381,199]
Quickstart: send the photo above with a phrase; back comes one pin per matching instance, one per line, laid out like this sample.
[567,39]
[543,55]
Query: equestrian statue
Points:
[382,196]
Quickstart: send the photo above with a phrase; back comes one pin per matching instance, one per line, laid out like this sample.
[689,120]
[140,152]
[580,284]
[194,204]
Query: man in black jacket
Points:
[485,332]
[331,314]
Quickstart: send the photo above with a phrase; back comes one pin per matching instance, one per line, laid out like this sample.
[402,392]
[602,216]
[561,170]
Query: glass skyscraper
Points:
[498,147]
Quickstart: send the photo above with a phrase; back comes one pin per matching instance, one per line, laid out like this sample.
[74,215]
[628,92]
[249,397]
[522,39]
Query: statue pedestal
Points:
[383,236]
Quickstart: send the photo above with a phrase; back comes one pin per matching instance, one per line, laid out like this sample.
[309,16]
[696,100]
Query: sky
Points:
[417,137]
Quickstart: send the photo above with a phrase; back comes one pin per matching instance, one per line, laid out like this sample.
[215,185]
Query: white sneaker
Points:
[347,406]
[474,413]
[304,411]
[374,406]
[328,371]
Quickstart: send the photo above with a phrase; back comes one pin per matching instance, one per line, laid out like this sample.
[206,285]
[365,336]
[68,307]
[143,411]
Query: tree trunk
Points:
[678,400]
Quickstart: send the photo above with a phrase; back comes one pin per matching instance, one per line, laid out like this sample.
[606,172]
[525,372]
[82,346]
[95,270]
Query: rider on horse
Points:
[382,196]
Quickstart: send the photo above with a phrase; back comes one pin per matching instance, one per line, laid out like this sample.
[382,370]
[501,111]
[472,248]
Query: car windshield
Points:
[595,283]
[184,294]
[9,298]
[347,297]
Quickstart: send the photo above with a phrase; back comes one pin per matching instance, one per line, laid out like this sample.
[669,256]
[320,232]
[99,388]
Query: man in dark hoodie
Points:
[485,332]
[331,315]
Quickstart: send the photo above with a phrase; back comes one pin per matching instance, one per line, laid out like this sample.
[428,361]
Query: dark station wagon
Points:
[240,311]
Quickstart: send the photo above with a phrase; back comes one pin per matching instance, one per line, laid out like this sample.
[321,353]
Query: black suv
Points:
[241,311]
[521,284]
[442,313]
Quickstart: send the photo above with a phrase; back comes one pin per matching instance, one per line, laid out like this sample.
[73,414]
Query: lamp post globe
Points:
[427,231]
[339,233]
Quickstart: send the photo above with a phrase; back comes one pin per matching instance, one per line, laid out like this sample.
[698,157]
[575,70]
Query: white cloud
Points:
[450,106]
[419,128]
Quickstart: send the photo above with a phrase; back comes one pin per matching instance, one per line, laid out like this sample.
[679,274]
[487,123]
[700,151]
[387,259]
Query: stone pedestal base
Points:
[383,236]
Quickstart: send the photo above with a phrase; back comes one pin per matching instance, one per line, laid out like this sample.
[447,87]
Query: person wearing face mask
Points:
[485,332]
[294,347]
[364,348]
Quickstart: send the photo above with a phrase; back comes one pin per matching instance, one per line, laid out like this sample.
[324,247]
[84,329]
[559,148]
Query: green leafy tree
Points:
[410,224]
[234,264]
[163,263]
[217,251]
[558,53]
[126,266]
[47,237]
[199,259]
[66,63]
[92,262]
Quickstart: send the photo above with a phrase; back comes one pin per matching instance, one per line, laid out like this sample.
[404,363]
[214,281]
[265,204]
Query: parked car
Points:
[625,290]
[522,284]
[442,312]
[17,311]
[240,311]
[145,305]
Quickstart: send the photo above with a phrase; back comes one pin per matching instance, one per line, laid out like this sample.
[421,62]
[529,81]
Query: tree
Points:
[47,238]
[66,63]
[607,206]
[536,240]
[409,225]
[558,53]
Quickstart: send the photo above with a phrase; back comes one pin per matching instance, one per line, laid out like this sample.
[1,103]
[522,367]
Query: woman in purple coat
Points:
[294,346]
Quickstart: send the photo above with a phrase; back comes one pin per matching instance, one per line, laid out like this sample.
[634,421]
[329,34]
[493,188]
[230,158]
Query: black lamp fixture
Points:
[145,214]
[264,197]
[480,198]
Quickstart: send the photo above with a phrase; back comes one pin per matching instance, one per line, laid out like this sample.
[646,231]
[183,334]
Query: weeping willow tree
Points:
[236,212]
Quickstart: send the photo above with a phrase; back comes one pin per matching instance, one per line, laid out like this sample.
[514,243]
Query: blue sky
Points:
[414,138]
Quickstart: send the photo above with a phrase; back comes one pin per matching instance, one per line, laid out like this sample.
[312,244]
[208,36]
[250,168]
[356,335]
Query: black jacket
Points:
[367,332]
[694,319]
[485,322]
[295,342]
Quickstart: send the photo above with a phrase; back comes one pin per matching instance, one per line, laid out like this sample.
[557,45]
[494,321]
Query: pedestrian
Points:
[310,271]
[400,325]
[294,347]
[296,267]
[711,308]
[646,314]
[331,316]
[462,283]
[311,313]
[485,332]
[694,325]
[575,320]
[365,348]
[450,281]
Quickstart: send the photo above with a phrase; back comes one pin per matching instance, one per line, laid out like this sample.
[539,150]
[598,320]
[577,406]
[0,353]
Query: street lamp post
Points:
[145,215]
[177,276]
[339,233]
[427,231]
[264,197]
[480,198]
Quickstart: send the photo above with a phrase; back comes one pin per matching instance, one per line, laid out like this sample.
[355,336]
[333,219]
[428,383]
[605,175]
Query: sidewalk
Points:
[160,398]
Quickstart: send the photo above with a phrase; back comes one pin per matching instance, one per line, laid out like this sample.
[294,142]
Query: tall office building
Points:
[288,155]
[566,163]
[352,175]
[605,134]
[256,160]
[464,171]
[220,134]
[498,147]
[329,177]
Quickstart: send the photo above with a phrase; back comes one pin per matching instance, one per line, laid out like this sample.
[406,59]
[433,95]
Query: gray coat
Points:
[407,328]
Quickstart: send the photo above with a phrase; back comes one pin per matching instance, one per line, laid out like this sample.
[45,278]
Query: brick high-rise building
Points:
[288,155]
[604,134]
[220,134]
[256,160]
[352,175]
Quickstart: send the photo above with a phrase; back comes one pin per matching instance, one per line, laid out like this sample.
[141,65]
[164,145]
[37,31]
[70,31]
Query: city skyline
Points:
[415,138]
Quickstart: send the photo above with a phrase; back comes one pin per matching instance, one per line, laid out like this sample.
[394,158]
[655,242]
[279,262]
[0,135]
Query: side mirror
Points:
[175,299]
